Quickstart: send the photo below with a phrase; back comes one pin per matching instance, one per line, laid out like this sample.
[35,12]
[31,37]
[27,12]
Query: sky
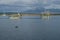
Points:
[24,5]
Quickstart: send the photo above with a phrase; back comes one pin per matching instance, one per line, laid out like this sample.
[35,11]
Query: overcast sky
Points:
[31,4]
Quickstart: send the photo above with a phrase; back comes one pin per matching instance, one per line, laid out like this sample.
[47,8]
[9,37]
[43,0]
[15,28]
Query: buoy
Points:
[16,26]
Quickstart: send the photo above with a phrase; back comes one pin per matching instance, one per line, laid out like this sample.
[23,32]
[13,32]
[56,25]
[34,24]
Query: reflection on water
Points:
[30,28]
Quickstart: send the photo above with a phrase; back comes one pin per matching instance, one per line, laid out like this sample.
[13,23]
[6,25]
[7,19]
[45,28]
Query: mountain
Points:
[54,10]
[9,8]
[13,8]
[37,10]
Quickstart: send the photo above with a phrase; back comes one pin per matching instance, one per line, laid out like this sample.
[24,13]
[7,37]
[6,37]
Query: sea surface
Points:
[30,28]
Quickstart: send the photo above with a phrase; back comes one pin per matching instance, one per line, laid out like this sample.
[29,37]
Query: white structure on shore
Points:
[45,15]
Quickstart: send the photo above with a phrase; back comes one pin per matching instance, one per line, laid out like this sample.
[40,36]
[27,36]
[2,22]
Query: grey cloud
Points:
[56,2]
[27,4]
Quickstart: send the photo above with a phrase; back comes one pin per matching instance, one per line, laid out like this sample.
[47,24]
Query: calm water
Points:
[30,28]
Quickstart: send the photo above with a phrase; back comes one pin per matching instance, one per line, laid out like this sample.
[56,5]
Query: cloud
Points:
[53,4]
[29,4]
[7,1]
[18,2]
[57,2]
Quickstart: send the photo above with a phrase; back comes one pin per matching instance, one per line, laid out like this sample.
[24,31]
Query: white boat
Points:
[14,17]
[4,15]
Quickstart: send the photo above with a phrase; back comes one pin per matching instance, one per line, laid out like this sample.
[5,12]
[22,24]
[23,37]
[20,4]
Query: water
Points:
[30,28]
